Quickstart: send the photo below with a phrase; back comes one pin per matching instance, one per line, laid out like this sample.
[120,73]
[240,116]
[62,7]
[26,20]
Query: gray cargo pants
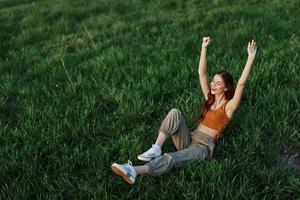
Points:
[189,149]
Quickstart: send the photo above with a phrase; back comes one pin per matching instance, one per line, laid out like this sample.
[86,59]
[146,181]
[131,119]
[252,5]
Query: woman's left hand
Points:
[252,48]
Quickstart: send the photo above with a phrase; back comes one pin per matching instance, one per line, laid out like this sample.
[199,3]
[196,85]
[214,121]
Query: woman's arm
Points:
[233,104]
[202,67]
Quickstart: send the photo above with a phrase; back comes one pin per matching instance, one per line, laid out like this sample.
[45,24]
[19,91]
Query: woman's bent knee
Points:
[175,111]
[172,122]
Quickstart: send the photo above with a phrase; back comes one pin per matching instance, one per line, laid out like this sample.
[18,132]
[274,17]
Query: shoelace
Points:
[129,172]
[129,162]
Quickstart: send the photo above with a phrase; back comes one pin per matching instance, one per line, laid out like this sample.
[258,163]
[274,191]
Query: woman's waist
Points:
[208,131]
[199,137]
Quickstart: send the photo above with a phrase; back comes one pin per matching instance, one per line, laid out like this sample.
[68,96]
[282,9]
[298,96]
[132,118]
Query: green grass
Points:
[87,83]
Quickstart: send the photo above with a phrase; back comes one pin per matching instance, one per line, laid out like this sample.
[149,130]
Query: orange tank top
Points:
[216,119]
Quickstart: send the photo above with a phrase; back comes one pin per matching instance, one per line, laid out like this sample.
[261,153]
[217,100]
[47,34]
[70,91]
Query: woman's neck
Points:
[219,99]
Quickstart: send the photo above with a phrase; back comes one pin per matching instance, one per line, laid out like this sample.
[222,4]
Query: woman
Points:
[221,101]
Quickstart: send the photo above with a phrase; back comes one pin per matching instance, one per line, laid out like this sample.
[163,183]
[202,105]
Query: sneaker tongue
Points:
[156,147]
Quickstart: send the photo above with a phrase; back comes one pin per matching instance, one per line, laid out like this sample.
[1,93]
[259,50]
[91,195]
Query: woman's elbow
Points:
[241,84]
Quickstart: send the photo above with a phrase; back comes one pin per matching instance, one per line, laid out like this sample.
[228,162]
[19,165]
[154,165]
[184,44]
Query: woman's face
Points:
[217,85]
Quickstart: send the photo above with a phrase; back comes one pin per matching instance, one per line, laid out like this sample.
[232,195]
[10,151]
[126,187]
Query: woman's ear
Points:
[225,89]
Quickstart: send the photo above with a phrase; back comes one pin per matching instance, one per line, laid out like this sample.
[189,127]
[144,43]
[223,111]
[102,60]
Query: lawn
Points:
[88,83]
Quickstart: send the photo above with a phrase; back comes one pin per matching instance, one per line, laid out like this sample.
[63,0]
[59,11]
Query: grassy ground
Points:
[87,83]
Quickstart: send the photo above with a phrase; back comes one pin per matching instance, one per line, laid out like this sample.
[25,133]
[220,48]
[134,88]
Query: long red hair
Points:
[228,80]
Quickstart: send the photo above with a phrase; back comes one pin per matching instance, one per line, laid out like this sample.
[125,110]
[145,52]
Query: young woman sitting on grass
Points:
[221,101]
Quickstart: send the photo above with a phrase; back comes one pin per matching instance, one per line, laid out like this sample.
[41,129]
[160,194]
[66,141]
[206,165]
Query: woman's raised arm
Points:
[233,104]
[202,67]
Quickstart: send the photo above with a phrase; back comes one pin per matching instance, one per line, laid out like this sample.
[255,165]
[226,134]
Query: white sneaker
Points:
[127,171]
[153,152]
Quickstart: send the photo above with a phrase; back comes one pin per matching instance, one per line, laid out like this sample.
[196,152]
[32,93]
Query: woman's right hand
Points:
[206,41]
[252,49]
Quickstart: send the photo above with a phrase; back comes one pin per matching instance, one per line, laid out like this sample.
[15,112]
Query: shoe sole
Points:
[146,159]
[120,173]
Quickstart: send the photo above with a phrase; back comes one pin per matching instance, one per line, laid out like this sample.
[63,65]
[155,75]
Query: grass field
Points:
[88,83]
